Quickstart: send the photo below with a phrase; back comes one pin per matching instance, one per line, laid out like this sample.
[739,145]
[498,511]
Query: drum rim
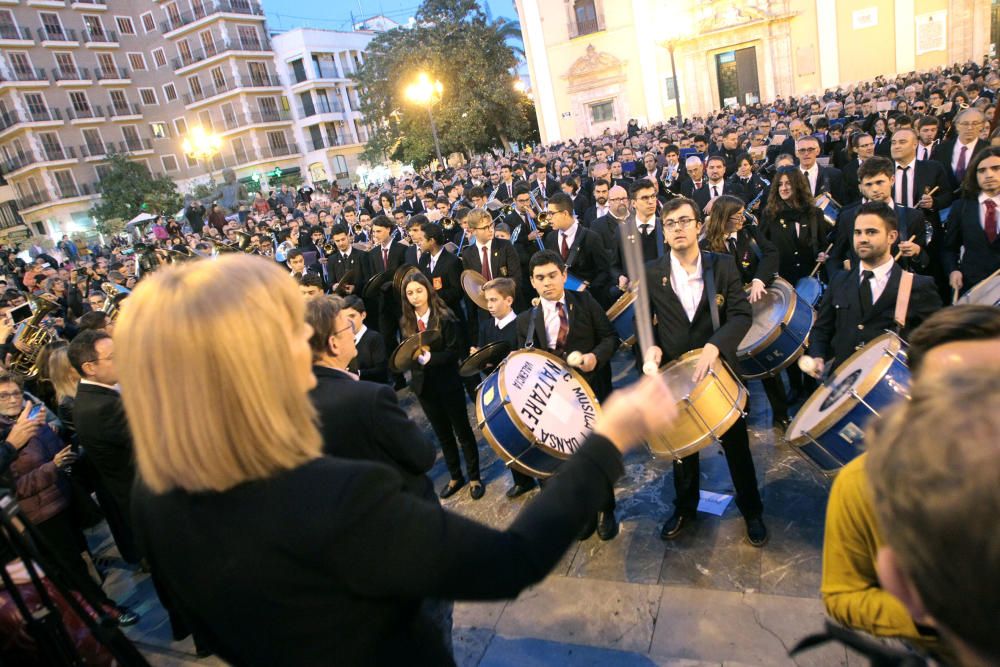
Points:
[863,389]
[488,346]
[967,297]
[698,388]
[627,298]
[516,420]
[778,330]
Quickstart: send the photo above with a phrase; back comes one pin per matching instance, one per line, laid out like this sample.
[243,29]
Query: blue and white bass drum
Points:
[535,411]
[829,428]
[778,334]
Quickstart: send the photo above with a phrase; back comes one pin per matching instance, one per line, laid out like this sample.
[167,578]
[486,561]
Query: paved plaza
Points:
[706,599]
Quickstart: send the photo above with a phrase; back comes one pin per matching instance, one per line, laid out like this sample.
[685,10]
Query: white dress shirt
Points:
[687,286]
[715,189]
[601,210]
[569,235]
[651,222]
[426,356]
[812,173]
[880,279]
[924,152]
[982,209]
[957,152]
[510,317]
[550,315]
[360,334]
[434,259]
[905,199]
[112,387]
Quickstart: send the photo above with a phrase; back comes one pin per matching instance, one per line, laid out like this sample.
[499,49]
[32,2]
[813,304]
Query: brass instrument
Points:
[329,249]
[358,228]
[221,246]
[115,295]
[30,338]
[180,254]
[244,242]
[543,222]
[447,224]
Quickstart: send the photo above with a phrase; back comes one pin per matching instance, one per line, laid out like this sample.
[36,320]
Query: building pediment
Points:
[594,68]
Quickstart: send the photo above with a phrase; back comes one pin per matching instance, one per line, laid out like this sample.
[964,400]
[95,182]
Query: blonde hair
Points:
[476,216]
[203,415]
[64,377]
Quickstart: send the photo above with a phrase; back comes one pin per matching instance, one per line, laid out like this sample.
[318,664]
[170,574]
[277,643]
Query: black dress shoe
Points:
[451,488]
[675,525]
[477,490]
[607,526]
[126,616]
[519,490]
[588,530]
[756,532]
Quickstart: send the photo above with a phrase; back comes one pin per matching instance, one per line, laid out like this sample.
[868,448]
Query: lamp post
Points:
[677,88]
[200,144]
[426,92]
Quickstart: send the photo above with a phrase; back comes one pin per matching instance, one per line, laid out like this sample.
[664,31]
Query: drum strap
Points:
[529,340]
[903,300]
[575,250]
[708,275]
[755,247]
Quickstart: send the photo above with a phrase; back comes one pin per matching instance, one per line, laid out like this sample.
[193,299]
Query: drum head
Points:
[624,301]
[485,359]
[768,314]
[986,292]
[859,373]
[678,376]
[551,401]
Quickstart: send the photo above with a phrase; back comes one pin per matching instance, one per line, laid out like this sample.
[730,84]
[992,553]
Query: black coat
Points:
[446,278]
[840,329]
[930,174]
[338,267]
[797,254]
[504,261]
[440,374]
[964,230]
[591,262]
[364,421]
[372,362]
[524,246]
[606,227]
[676,334]
[590,331]
[763,268]
[328,562]
[911,222]
[551,187]
[653,246]
[102,428]
[852,191]
[831,181]
[942,153]
[703,195]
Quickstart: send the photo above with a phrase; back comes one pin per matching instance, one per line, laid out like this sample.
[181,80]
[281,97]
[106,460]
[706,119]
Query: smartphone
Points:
[20,313]
[35,410]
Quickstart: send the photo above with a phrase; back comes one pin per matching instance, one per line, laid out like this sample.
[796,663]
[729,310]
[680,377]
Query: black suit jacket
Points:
[840,329]
[411,255]
[797,254]
[525,247]
[676,334]
[505,191]
[504,261]
[911,222]
[591,262]
[942,153]
[446,278]
[356,261]
[412,207]
[964,230]
[440,374]
[363,420]
[830,180]
[751,267]
[102,428]
[490,333]
[703,195]
[372,362]
[590,331]
[551,187]
[852,192]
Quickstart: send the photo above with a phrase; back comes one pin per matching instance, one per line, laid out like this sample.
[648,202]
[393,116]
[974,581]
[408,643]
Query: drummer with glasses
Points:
[682,308]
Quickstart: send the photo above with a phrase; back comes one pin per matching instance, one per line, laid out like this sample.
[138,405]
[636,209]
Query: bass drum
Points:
[705,410]
[829,428]
[535,411]
[622,316]
[986,292]
[778,335]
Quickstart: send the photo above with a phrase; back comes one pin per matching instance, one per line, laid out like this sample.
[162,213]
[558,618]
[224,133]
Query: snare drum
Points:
[781,324]
[575,284]
[829,206]
[986,292]
[705,411]
[622,316]
[810,289]
[829,428]
[535,411]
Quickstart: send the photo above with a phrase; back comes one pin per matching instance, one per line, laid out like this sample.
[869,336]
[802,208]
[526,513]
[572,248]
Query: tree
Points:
[128,189]
[453,42]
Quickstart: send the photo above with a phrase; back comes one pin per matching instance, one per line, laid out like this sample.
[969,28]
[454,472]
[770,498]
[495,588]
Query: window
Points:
[103,171]
[148,23]
[66,65]
[148,97]
[205,118]
[20,64]
[585,14]
[228,115]
[159,57]
[131,136]
[239,150]
[671,88]
[184,51]
[51,146]
[52,26]
[80,102]
[94,27]
[249,39]
[159,130]
[316,134]
[169,162]
[180,126]
[36,105]
[106,62]
[602,112]
[198,7]
[137,61]
[118,100]
[125,25]
[268,108]
[94,143]
[218,78]
[169,92]
[258,74]
[8,28]
[298,71]
[191,162]
[65,183]
[208,43]
[277,140]
[173,15]
[194,86]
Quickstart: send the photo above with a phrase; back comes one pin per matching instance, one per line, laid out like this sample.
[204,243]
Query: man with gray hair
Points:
[956,154]
[695,176]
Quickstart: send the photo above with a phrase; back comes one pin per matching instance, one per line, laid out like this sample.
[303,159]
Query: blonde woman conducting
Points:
[278,555]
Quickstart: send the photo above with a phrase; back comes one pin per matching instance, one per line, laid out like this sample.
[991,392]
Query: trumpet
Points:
[358,228]
[543,222]
[447,224]
[329,249]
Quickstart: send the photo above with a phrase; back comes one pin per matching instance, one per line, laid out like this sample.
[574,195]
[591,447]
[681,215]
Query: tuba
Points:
[30,338]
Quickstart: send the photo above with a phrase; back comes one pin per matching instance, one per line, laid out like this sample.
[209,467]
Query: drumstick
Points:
[819,264]
[954,295]
[900,253]
[930,193]
[574,359]
[635,269]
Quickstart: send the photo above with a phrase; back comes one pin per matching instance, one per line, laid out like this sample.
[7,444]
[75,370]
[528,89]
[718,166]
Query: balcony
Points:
[90,5]
[32,76]
[208,91]
[9,33]
[95,113]
[215,48]
[581,27]
[56,153]
[259,44]
[57,36]
[279,151]
[77,75]
[126,112]
[99,151]
[100,38]
[109,76]
[71,190]
[135,145]
[223,6]
[11,118]
[33,199]
[262,81]
[19,161]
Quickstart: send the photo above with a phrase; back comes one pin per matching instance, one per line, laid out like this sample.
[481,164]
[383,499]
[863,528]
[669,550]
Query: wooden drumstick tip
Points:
[649,368]
[807,364]
[574,359]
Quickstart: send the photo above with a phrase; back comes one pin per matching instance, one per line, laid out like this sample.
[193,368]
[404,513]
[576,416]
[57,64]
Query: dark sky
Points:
[336,14]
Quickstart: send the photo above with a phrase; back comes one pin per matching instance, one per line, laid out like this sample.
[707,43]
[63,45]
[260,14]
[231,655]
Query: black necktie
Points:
[904,196]
[731,242]
[645,229]
[866,292]
[715,191]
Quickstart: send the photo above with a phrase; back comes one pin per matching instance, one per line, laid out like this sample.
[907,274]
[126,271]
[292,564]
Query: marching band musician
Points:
[972,242]
[643,216]
[385,256]
[371,362]
[565,322]
[437,384]
[415,231]
[442,268]
[821,179]
[489,256]
[792,223]
[688,317]
[861,304]
[580,248]
[345,260]
[524,238]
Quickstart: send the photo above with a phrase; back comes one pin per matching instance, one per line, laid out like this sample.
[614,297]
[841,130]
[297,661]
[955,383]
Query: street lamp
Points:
[677,88]
[200,144]
[425,92]
[681,28]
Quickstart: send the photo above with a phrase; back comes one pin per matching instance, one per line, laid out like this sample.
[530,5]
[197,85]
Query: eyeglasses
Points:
[679,223]
[970,123]
[489,225]
[350,326]
[8,395]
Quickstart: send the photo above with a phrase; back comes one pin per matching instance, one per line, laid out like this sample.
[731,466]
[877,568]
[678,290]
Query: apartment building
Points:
[315,67]
[81,79]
